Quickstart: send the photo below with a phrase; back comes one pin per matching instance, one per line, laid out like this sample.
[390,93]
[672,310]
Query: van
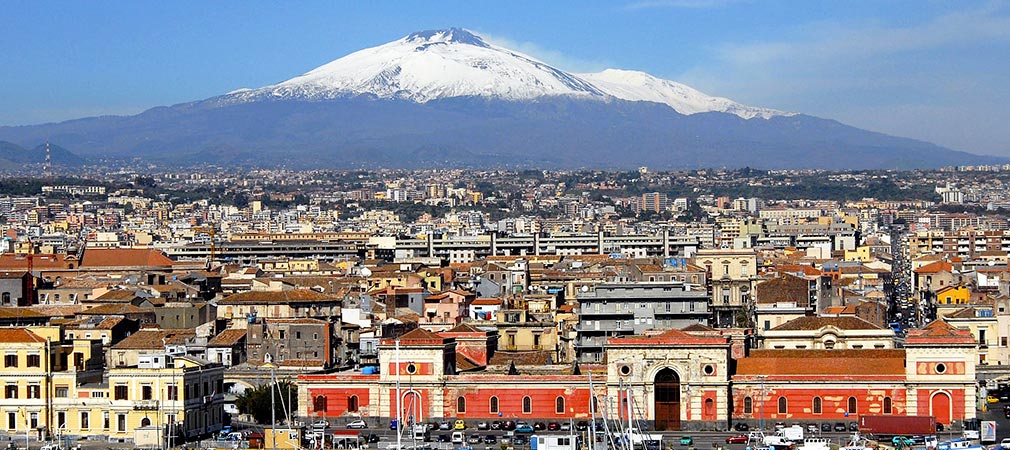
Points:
[457,437]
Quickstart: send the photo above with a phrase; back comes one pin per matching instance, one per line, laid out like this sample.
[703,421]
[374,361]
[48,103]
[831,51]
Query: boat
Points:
[815,444]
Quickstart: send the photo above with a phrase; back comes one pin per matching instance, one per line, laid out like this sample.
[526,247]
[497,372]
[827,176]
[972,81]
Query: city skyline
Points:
[926,71]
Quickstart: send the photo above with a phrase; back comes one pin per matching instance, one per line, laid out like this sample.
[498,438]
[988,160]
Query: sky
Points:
[931,70]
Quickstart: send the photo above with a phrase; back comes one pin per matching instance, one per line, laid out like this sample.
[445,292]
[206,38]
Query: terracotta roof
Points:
[464,364]
[848,362]
[227,338]
[19,336]
[154,339]
[417,336]
[10,261]
[124,257]
[288,296]
[783,288]
[936,267]
[816,323]
[531,358]
[121,295]
[487,301]
[464,328]
[939,332]
[20,313]
[115,308]
[698,327]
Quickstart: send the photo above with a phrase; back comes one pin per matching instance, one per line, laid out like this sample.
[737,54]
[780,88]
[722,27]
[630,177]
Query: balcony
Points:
[145,405]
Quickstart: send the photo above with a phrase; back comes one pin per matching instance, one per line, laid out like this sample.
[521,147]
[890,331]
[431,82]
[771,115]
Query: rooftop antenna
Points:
[47,167]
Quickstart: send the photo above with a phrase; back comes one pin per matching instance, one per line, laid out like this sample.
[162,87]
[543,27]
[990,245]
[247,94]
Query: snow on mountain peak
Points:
[639,86]
[456,62]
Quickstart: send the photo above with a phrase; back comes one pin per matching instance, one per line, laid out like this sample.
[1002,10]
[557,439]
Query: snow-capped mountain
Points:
[449,63]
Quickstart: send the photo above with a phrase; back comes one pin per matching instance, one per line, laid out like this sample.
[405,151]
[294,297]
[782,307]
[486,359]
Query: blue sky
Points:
[932,70]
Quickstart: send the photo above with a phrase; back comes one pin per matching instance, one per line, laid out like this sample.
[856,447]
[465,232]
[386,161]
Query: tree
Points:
[256,401]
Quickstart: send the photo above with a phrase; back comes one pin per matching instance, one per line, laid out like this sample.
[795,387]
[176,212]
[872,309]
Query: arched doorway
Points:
[145,422]
[412,408]
[939,407]
[667,399]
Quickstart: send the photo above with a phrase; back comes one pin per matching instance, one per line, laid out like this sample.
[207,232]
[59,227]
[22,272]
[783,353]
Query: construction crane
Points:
[212,232]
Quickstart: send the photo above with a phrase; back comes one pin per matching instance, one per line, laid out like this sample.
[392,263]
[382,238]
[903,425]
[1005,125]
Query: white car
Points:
[357,424]
[1005,444]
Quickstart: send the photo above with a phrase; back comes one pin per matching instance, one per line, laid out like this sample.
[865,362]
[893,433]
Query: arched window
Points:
[559,405]
[596,404]
[887,405]
[319,403]
[6,298]
[783,405]
[461,404]
[709,407]
[748,405]
[852,405]
[145,422]
[817,405]
[527,405]
[493,403]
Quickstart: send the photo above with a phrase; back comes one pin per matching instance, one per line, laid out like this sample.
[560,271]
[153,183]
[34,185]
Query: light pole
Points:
[761,407]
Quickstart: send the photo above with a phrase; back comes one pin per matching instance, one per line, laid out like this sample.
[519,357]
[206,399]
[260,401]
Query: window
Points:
[559,405]
[121,422]
[34,361]
[146,392]
[887,405]
[62,391]
[12,421]
[34,391]
[173,392]
[6,298]
[527,405]
[352,404]
[461,404]
[105,420]
[709,408]
[852,405]
[33,420]
[11,391]
[61,419]
[122,392]
[493,405]
[748,405]
[298,334]
[319,403]
[11,360]
[85,421]
[783,405]
[817,405]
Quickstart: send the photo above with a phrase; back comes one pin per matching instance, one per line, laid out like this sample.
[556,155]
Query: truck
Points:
[879,425]
[793,433]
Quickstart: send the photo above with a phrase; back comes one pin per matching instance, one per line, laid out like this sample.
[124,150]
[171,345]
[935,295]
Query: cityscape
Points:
[439,240]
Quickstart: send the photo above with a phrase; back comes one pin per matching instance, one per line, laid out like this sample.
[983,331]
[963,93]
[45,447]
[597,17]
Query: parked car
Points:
[839,426]
[686,440]
[358,424]
[992,399]
[321,424]
[582,425]
[474,439]
[740,426]
[458,437]
[370,438]
[1005,444]
[496,425]
[553,426]
[490,439]
[566,426]
[902,441]
[508,425]
[539,426]
[443,425]
[853,426]
[520,440]
[812,428]
[738,439]
[825,426]
[443,438]
[459,425]
[523,427]
[483,426]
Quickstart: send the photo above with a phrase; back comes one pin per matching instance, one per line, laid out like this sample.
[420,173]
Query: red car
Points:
[738,439]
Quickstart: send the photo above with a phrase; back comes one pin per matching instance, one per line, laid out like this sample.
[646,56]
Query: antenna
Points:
[47,167]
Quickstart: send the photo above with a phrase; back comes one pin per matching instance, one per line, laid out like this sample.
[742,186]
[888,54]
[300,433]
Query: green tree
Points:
[256,401]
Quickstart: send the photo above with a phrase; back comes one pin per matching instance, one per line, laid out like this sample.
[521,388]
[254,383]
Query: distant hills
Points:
[13,155]
[448,98]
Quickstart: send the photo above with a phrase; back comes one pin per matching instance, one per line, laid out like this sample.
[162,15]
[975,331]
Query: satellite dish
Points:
[366,272]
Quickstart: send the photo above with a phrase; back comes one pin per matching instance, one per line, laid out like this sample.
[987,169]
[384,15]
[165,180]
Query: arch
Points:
[559,405]
[461,404]
[493,405]
[783,405]
[352,404]
[145,422]
[708,410]
[887,405]
[851,406]
[818,405]
[940,407]
[527,405]
[667,399]
[319,403]
[412,407]
[748,405]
